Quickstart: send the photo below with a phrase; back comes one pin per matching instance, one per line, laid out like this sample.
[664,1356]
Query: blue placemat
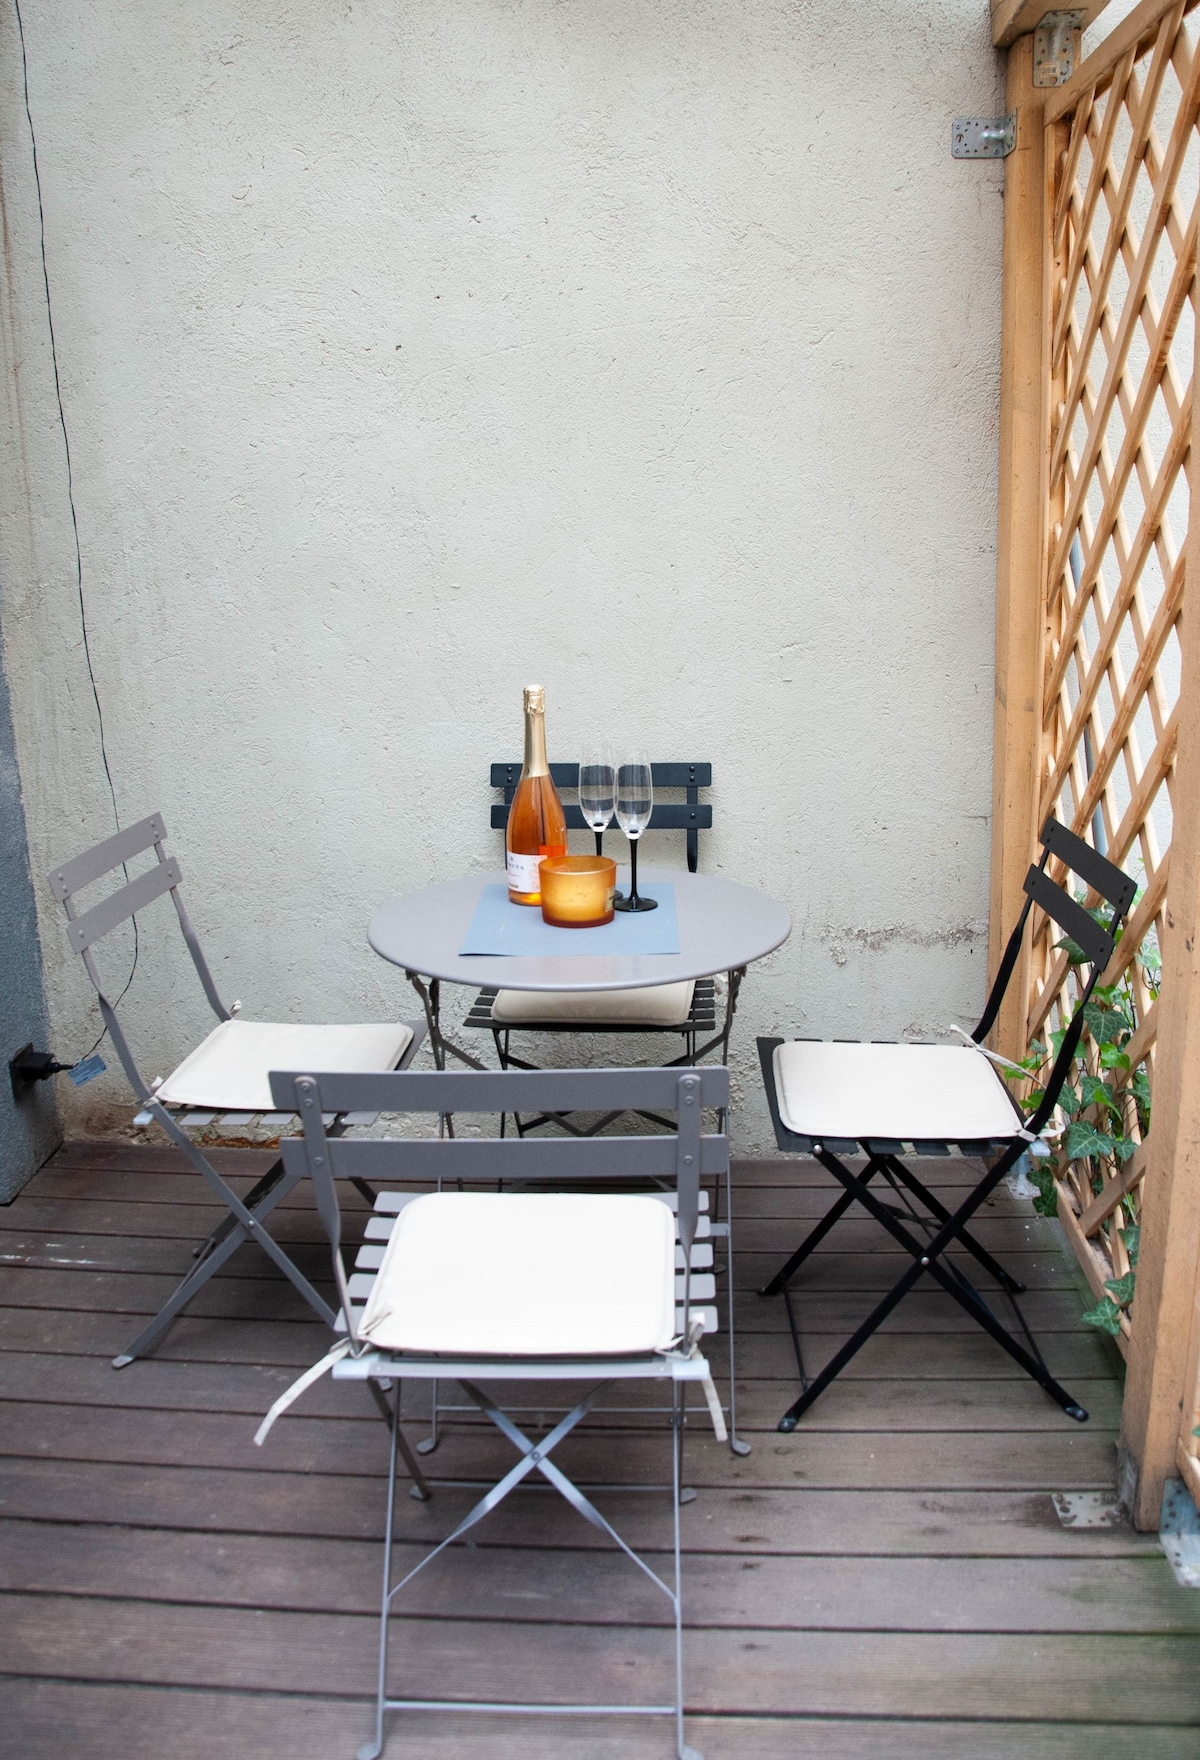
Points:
[501,927]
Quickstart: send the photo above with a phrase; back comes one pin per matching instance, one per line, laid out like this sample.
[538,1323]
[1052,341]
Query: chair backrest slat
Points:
[142,890]
[536,1159]
[552,1090]
[1096,939]
[71,877]
[691,816]
[1093,937]
[1103,876]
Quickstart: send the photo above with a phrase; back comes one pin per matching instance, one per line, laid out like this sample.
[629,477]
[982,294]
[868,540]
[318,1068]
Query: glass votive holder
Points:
[577,891]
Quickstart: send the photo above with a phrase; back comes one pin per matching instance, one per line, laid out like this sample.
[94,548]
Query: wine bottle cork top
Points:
[535,696]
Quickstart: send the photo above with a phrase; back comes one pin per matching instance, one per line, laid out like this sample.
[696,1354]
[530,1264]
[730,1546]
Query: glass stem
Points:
[633,891]
[599,843]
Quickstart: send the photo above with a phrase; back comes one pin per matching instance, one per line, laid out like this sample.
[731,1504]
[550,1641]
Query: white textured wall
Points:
[413,352]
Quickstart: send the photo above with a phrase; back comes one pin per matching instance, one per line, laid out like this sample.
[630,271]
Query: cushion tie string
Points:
[292,1394]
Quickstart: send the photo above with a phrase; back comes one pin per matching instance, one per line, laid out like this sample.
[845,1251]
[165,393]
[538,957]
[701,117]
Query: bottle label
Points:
[523,872]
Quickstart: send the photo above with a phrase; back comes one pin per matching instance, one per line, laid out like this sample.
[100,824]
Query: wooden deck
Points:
[890,1582]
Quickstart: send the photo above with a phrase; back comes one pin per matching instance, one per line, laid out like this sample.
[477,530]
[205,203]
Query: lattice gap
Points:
[1121,347]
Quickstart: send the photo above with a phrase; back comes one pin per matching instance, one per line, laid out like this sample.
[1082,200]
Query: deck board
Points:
[888,1582]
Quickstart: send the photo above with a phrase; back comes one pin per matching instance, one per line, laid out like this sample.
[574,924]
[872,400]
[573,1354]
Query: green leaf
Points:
[1073,951]
[1069,1100]
[1124,1148]
[1121,1288]
[1112,1057]
[1046,1202]
[1105,1317]
[1096,1092]
[1133,1242]
[1083,1139]
[1104,1024]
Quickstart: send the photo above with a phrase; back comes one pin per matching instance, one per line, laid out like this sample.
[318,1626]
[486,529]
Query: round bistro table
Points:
[723,927]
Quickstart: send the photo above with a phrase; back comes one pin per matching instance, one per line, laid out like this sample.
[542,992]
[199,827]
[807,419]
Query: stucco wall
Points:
[411,353]
[29,1127]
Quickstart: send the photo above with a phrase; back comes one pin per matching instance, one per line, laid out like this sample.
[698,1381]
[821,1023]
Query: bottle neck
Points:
[535,743]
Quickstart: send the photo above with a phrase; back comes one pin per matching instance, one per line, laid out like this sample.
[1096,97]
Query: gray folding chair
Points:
[222,1085]
[520,1286]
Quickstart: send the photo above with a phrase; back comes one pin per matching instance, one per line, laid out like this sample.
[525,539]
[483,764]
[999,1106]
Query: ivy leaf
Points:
[1133,1242]
[1096,1092]
[1046,1202]
[1124,1148]
[1083,1139]
[1069,1100]
[1105,1317]
[1073,951]
[1112,1057]
[1121,1288]
[1104,1024]
[1141,1087]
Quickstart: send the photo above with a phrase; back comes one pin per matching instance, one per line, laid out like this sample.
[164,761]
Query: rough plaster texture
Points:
[29,1128]
[411,353]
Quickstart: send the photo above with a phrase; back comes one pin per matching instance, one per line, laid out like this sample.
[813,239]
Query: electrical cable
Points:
[62,422]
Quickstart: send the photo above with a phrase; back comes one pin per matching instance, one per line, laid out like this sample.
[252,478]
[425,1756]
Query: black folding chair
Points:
[831,1099]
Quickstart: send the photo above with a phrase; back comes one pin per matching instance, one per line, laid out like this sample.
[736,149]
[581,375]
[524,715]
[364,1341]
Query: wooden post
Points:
[1016,743]
[1157,1397]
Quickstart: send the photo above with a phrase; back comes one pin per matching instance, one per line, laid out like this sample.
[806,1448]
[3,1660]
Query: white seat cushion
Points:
[229,1071]
[658,1005]
[935,1093]
[520,1274]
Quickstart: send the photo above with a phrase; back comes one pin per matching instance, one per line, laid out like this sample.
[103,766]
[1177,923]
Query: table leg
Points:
[431,1000]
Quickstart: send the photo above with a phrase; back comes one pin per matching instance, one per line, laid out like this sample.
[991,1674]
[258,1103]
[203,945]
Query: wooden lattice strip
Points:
[1130,316]
[1068,188]
[1141,113]
[1135,561]
[1165,619]
[1172,163]
[1101,161]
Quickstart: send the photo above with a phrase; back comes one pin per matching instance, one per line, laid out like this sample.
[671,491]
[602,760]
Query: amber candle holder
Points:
[577,891]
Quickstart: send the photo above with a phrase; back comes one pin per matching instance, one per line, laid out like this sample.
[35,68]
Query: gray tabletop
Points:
[722,925]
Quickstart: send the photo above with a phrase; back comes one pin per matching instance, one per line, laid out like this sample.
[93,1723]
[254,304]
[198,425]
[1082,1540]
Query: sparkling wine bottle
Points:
[536,824]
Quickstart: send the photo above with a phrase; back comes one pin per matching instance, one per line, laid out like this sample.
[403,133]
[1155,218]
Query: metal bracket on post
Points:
[1055,43]
[973,137]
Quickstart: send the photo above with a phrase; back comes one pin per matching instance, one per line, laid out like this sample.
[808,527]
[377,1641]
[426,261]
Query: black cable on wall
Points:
[62,422]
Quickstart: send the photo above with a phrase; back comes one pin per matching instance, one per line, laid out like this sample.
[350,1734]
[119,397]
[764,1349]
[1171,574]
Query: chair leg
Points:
[372,1749]
[980,1312]
[391,1417]
[682,1748]
[814,1238]
[248,1229]
[850,1349]
[980,1254]
[736,1445]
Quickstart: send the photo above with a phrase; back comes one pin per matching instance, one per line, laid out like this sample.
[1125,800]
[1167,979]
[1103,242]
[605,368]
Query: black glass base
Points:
[635,904]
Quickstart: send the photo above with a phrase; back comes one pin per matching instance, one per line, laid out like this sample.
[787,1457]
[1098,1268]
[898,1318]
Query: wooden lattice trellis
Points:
[1124,165]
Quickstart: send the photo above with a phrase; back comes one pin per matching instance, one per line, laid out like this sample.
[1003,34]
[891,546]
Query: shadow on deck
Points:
[888,1583]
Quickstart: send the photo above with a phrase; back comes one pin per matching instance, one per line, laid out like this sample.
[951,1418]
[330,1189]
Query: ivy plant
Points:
[1105,1103]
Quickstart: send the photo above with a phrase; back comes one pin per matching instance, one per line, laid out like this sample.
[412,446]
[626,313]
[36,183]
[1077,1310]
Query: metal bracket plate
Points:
[976,137]
[1055,46]
[1179,1533]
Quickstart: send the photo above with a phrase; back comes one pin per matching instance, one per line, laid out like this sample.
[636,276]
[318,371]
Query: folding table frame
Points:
[926,1229]
[679,1159]
[247,1215]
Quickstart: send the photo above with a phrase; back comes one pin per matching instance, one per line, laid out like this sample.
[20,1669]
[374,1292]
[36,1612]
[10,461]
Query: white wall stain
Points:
[410,354]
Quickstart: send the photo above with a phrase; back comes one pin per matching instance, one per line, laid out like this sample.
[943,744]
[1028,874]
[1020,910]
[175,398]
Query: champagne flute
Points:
[597,791]
[634,803]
